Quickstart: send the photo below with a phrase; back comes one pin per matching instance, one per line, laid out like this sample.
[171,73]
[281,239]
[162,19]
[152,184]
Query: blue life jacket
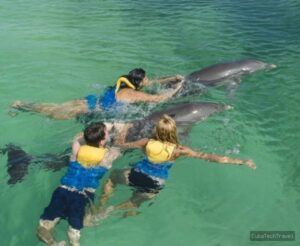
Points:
[160,170]
[108,100]
[79,177]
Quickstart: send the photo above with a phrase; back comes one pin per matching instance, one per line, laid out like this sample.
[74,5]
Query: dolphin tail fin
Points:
[271,66]
[3,151]
[17,162]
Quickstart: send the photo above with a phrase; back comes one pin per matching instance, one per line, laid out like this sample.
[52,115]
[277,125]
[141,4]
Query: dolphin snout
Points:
[271,66]
[228,107]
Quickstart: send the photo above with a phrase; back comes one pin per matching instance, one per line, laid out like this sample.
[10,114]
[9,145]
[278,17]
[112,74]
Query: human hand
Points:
[109,126]
[78,136]
[250,164]
[179,85]
[177,88]
[118,140]
[179,77]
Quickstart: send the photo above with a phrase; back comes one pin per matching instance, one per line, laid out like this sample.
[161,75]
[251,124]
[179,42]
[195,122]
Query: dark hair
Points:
[136,76]
[94,133]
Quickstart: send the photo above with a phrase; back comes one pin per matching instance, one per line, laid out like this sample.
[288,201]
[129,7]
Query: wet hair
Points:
[94,133]
[135,76]
[166,130]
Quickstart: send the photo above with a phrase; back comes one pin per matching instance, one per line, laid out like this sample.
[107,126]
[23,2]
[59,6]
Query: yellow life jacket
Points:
[158,151]
[90,156]
[125,81]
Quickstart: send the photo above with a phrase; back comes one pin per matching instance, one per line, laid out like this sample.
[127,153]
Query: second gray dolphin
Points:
[184,114]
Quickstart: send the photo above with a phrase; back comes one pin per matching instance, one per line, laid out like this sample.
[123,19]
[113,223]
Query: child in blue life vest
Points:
[89,161]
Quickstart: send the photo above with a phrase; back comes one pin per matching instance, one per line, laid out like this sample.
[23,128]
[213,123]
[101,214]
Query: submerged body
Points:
[126,90]
[185,115]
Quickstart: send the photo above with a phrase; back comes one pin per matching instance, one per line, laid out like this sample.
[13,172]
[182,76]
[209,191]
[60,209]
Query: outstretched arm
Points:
[129,95]
[163,80]
[185,151]
[136,144]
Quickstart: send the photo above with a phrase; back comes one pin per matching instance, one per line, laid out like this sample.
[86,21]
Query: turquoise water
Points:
[54,51]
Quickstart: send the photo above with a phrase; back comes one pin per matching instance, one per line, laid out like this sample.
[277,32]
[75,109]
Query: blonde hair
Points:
[166,130]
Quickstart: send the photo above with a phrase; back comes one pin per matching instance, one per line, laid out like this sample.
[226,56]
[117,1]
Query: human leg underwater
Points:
[63,111]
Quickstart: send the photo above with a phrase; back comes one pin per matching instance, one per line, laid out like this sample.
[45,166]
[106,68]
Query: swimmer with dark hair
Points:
[126,90]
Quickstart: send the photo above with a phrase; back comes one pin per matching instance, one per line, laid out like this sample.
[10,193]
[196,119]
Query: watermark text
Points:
[272,236]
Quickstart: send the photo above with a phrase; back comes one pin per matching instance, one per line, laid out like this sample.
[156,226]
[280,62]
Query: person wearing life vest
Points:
[126,90]
[89,162]
[149,175]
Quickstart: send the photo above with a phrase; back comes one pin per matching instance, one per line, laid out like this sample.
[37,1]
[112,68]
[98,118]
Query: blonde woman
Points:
[149,175]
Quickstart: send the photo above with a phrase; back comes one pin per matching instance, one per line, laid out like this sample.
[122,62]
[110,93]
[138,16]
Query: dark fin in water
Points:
[183,132]
[54,162]
[88,117]
[232,85]
[17,163]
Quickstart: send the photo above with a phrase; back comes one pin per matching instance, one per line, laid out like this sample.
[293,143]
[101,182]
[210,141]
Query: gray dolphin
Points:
[185,115]
[189,113]
[218,73]
[228,73]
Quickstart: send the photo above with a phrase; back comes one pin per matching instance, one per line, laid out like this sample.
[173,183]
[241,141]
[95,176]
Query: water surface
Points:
[54,51]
